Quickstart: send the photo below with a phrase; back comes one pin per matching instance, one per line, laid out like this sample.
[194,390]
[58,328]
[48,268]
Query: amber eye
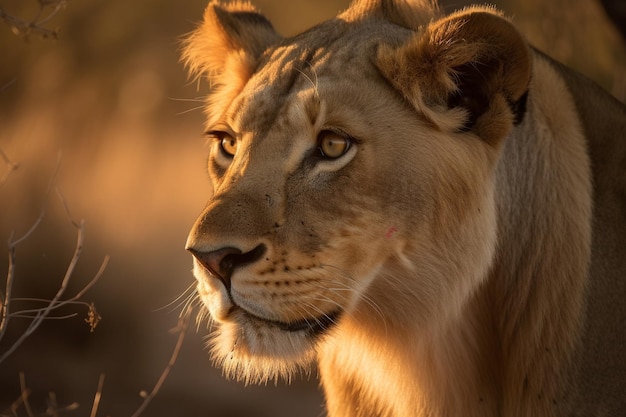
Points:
[332,145]
[228,145]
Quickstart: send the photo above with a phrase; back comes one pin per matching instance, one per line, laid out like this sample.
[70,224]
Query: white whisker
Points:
[193,100]
[346,288]
[180,301]
[313,83]
[190,110]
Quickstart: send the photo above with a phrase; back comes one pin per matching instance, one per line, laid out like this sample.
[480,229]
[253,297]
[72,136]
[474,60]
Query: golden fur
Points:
[425,206]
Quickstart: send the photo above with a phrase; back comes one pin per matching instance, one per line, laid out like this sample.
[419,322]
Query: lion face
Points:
[301,174]
[327,183]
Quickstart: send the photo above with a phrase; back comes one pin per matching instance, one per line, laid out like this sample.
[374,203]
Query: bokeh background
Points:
[106,113]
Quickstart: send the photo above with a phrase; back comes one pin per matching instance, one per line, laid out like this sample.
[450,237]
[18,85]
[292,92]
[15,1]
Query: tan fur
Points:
[466,256]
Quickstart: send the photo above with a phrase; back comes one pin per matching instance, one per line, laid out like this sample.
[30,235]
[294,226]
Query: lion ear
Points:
[467,72]
[230,40]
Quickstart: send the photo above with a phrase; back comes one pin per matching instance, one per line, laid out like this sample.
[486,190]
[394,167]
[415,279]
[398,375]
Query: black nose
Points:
[222,262]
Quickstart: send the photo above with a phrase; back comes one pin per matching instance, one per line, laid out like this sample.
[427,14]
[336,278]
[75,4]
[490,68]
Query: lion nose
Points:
[222,262]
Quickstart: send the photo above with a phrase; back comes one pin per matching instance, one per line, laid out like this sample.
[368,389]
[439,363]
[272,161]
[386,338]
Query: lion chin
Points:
[255,350]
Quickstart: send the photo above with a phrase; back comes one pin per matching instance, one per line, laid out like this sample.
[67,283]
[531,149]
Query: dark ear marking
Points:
[471,96]
[470,93]
[519,108]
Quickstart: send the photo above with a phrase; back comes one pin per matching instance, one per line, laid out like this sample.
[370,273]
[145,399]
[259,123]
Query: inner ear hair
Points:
[472,96]
[470,93]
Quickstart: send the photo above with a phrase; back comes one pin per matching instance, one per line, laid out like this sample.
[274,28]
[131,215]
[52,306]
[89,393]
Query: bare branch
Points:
[11,411]
[66,207]
[58,5]
[54,408]
[25,28]
[12,166]
[43,313]
[181,328]
[39,315]
[7,85]
[96,399]
[6,302]
[28,315]
[25,393]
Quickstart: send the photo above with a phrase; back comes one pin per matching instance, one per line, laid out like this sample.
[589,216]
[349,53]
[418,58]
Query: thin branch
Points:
[93,318]
[66,207]
[58,6]
[25,28]
[41,315]
[28,315]
[12,166]
[6,302]
[25,393]
[7,85]
[96,399]
[53,406]
[37,316]
[36,24]
[181,328]
[70,268]
[12,409]
[13,243]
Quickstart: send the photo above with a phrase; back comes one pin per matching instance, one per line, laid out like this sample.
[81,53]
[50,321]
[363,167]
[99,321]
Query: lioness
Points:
[426,206]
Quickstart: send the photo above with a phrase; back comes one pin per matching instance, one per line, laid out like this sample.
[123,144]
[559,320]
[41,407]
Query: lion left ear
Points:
[467,72]
[229,41]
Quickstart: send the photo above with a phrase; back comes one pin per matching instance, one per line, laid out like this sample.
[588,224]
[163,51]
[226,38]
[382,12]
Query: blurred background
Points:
[96,102]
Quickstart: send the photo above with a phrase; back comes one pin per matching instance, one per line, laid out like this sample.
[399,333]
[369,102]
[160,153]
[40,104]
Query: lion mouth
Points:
[313,326]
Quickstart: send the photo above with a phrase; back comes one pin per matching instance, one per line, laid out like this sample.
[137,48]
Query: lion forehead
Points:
[311,63]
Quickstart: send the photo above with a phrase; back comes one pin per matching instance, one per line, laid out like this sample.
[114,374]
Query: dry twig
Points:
[181,329]
[11,166]
[47,10]
[96,399]
[25,393]
[38,315]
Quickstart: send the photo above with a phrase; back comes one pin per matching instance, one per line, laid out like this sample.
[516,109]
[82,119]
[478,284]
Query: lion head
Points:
[352,169]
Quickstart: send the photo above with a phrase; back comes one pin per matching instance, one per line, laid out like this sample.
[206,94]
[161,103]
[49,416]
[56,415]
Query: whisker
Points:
[203,316]
[193,100]
[181,300]
[190,110]
[192,302]
[349,290]
[313,83]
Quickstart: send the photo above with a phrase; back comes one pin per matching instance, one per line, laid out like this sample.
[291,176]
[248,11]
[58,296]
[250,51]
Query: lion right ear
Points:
[467,72]
[228,43]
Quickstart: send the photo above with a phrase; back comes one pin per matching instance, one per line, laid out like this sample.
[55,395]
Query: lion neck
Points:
[538,283]
[511,348]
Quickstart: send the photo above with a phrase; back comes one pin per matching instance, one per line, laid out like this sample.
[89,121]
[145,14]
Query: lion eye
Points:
[332,145]
[228,144]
